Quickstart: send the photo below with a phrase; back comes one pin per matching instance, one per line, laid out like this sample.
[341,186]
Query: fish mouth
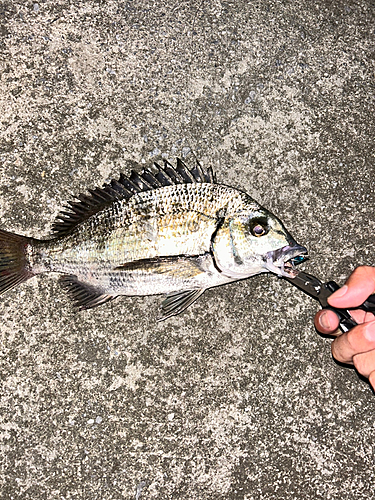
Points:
[283,260]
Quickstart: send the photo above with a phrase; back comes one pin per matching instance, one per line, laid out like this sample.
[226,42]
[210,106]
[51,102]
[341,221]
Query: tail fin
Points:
[14,264]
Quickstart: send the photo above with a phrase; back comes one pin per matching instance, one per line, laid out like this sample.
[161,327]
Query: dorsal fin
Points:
[87,205]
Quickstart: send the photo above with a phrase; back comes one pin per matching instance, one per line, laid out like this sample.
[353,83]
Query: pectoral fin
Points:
[179,266]
[177,302]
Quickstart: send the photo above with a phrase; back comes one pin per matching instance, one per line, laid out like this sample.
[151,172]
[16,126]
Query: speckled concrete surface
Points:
[238,398]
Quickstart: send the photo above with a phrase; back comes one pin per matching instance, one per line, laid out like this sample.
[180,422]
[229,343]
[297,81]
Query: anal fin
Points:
[84,296]
[176,302]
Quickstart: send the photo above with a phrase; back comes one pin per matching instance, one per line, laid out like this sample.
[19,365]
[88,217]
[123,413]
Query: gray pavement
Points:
[238,398]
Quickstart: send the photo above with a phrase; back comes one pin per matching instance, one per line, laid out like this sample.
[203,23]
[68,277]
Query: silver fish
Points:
[170,230]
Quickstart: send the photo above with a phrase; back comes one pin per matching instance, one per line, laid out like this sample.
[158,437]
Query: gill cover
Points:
[240,249]
[234,252]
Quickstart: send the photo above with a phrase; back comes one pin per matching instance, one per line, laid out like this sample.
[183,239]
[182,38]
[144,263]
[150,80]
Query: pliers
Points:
[321,291]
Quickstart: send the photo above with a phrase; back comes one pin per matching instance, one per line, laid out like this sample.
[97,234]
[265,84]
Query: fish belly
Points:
[153,276]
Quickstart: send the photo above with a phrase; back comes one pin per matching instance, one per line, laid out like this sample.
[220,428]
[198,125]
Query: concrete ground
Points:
[238,398]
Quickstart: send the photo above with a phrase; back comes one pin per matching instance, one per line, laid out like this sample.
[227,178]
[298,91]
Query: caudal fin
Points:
[14,265]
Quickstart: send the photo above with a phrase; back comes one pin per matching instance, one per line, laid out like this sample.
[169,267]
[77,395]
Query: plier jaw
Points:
[321,291]
[313,286]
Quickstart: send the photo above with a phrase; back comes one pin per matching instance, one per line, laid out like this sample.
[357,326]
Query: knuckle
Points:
[351,337]
[342,349]
[360,364]
[372,379]
[336,352]
[333,349]
[363,272]
[360,270]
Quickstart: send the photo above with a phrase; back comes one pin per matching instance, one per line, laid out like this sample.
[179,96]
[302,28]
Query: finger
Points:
[361,316]
[365,363]
[326,322]
[372,379]
[358,340]
[360,284]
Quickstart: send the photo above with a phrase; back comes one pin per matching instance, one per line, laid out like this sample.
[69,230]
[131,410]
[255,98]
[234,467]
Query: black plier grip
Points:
[321,291]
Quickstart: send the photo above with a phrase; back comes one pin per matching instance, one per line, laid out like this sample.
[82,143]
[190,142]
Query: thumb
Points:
[358,287]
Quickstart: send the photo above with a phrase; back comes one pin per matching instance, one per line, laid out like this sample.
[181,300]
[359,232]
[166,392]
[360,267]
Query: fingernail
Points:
[324,321]
[339,293]
[370,332]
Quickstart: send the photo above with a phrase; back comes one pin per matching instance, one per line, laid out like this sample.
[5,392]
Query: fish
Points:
[169,230]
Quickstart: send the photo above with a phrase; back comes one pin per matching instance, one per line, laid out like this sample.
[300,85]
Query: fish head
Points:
[253,242]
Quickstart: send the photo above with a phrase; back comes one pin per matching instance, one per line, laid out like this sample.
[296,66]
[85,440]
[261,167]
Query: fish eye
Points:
[258,229]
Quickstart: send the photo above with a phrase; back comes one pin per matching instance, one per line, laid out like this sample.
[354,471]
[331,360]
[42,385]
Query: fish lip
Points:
[276,259]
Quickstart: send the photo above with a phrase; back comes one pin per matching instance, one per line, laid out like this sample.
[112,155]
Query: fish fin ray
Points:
[142,264]
[84,296]
[182,266]
[163,178]
[140,181]
[198,173]
[14,266]
[149,177]
[211,176]
[176,302]
[173,173]
[87,204]
[184,172]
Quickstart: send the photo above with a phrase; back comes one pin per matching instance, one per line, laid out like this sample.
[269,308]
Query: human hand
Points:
[357,346]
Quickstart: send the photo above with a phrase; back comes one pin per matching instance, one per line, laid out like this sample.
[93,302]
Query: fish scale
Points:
[174,231]
[117,234]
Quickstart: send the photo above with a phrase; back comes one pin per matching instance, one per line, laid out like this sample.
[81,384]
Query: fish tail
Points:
[15,267]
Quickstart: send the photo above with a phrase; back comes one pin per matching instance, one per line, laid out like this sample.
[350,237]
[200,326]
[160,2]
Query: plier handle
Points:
[321,291]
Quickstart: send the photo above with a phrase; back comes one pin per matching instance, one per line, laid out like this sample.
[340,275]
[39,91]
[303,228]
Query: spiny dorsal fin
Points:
[87,205]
